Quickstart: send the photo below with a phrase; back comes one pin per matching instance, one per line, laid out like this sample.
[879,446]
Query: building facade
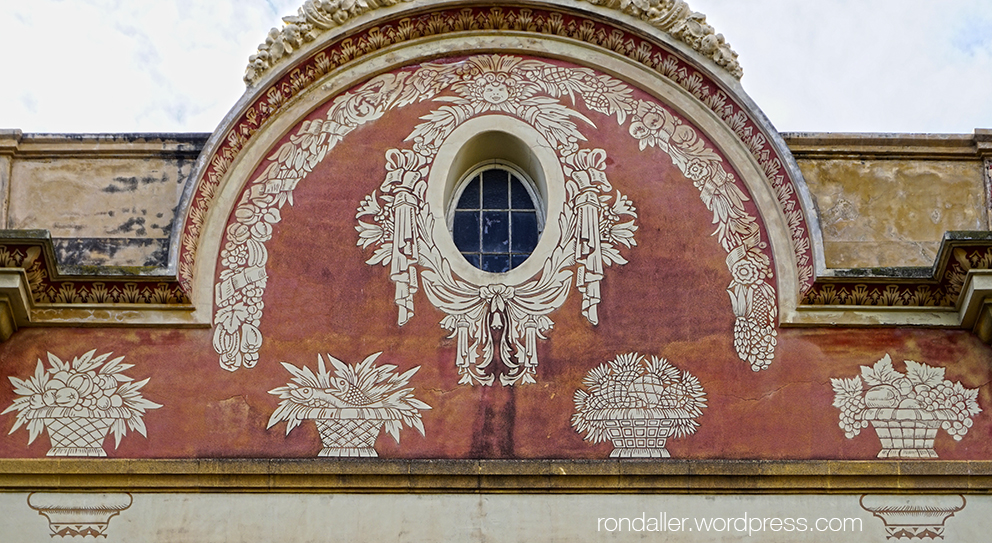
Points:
[462,270]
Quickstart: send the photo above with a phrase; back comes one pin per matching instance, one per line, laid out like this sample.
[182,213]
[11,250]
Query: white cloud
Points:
[176,65]
[871,65]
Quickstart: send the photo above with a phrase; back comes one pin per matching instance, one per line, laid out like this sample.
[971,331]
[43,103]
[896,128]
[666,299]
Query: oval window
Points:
[496,224]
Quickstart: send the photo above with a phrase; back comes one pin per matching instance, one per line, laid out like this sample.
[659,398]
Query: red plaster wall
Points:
[670,300]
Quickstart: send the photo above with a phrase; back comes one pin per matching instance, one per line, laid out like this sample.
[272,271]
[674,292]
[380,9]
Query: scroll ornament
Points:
[393,221]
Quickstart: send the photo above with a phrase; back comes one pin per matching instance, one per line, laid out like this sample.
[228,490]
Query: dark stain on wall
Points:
[110,252]
[134,225]
[131,184]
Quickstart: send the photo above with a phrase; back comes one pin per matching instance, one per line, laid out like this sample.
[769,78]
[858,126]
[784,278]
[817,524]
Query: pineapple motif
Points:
[638,404]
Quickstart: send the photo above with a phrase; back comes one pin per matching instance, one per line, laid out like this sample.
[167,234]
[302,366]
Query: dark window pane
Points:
[519,197]
[465,231]
[470,196]
[496,263]
[524,229]
[504,230]
[495,232]
[496,189]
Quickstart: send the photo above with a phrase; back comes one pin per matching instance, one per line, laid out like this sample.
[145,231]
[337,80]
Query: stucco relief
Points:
[906,410]
[317,16]
[79,403]
[350,407]
[535,92]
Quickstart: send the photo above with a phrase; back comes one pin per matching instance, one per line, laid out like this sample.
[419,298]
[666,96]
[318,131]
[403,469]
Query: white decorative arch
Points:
[535,91]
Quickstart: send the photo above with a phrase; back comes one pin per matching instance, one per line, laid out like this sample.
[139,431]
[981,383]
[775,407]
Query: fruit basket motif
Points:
[637,404]
[906,410]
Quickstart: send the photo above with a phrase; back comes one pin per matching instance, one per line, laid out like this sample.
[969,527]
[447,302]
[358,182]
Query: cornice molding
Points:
[673,476]
[956,292]
[34,291]
[884,146]
[317,17]
[55,146]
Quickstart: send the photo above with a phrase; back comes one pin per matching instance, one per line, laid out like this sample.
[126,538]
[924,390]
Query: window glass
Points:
[495,224]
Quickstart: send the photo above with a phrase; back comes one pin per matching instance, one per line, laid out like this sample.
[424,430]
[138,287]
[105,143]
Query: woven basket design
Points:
[348,437]
[639,438]
[906,438]
[77,436]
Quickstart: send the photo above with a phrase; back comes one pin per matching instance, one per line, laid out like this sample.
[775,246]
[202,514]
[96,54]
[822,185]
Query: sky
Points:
[97,66]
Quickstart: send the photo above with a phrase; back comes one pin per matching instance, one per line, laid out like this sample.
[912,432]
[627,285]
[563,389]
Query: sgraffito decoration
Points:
[906,410]
[79,403]
[78,515]
[350,407]
[535,92]
[348,48]
[913,517]
[637,404]
[594,224]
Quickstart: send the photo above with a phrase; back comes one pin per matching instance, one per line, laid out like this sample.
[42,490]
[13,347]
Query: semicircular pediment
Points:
[601,140]
[624,43]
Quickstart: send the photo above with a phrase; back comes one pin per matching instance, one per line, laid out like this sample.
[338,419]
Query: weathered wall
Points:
[886,199]
[108,200]
[295,279]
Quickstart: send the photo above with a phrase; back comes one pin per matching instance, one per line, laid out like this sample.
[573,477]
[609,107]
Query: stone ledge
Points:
[496,476]
[47,146]
[834,145]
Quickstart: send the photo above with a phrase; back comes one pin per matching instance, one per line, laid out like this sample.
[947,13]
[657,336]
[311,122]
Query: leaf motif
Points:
[881,373]
[57,364]
[22,388]
[137,424]
[35,426]
[924,374]
[114,366]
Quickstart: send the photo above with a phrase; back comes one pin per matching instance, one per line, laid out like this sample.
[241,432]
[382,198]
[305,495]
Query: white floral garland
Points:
[531,90]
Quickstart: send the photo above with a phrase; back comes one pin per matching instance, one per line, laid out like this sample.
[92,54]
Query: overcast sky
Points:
[813,66]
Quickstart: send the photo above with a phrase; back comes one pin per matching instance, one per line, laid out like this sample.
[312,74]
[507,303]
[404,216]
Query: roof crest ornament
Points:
[318,16]
[679,21]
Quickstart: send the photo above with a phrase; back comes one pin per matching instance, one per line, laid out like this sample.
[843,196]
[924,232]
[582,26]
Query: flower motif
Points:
[746,271]
[697,170]
[497,296]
